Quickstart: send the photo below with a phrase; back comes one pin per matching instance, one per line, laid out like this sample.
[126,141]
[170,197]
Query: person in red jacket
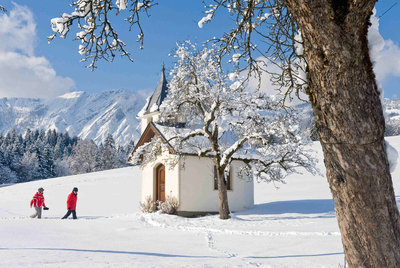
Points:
[38,202]
[71,204]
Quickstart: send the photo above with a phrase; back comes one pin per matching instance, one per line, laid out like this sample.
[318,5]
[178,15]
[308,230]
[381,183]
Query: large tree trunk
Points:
[350,126]
[223,197]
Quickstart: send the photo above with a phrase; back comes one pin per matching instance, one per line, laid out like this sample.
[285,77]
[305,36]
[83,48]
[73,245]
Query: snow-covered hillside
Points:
[89,116]
[294,226]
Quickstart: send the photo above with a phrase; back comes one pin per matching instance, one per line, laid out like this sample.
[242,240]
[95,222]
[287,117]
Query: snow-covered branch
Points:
[265,22]
[226,121]
[99,40]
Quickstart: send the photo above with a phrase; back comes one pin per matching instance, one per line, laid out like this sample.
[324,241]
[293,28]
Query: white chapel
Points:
[193,180]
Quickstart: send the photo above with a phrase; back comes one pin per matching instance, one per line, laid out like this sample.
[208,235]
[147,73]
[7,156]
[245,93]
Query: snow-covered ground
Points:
[294,226]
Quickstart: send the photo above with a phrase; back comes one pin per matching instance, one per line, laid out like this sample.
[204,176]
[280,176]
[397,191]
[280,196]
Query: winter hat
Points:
[75,189]
[41,188]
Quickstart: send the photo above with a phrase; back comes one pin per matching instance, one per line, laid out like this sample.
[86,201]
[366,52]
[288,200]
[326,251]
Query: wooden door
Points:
[161,183]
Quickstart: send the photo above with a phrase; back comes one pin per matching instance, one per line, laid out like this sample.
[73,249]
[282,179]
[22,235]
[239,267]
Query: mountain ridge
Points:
[92,116]
[88,116]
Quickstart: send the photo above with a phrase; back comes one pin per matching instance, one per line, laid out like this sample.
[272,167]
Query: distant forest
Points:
[38,155]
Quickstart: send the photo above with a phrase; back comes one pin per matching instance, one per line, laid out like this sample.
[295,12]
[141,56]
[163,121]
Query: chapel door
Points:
[161,183]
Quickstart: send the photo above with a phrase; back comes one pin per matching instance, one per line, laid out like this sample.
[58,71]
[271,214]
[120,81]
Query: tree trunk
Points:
[350,126]
[223,197]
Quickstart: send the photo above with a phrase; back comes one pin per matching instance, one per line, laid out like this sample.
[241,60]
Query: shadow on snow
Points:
[298,256]
[314,206]
[111,252]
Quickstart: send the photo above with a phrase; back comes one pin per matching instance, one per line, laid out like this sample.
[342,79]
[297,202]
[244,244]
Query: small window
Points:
[215,178]
[228,181]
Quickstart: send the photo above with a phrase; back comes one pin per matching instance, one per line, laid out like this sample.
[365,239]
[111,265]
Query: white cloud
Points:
[387,62]
[385,54]
[22,74]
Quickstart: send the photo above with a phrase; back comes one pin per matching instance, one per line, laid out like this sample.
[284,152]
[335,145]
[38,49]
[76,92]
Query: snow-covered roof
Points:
[159,94]
[193,145]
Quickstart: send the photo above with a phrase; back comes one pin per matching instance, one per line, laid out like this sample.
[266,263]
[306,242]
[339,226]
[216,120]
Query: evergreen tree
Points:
[39,155]
[74,140]
[14,136]
[42,135]
[49,138]
[35,136]
[27,139]
[48,161]
[68,150]
[129,148]
[109,141]
[99,156]
[39,171]
[122,159]
[66,139]
[7,139]
[58,150]
[109,158]
[15,157]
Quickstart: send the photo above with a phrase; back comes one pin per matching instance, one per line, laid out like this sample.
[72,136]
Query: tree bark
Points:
[350,126]
[223,197]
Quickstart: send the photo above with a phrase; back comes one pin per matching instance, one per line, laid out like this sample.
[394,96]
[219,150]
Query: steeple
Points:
[159,94]
[150,112]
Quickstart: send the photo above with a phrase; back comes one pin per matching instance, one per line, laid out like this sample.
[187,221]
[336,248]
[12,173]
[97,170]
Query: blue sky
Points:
[30,67]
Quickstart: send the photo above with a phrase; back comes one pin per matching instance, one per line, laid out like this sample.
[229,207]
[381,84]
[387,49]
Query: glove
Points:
[69,208]
[46,208]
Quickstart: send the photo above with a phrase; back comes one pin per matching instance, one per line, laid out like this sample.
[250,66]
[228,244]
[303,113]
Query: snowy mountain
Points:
[92,116]
[89,116]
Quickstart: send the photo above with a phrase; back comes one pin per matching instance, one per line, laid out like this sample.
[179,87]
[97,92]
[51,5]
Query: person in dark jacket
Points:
[38,202]
[71,204]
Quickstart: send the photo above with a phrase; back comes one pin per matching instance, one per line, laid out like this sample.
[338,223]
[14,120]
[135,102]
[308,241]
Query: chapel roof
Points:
[166,134]
[158,96]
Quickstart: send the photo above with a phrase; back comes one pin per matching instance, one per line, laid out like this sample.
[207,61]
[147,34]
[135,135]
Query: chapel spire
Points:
[159,94]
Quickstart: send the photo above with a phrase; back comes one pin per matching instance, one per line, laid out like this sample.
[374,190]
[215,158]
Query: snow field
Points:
[294,226]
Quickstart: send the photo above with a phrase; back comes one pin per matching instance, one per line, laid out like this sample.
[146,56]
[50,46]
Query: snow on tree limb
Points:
[99,40]
[226,123]
[266,22]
